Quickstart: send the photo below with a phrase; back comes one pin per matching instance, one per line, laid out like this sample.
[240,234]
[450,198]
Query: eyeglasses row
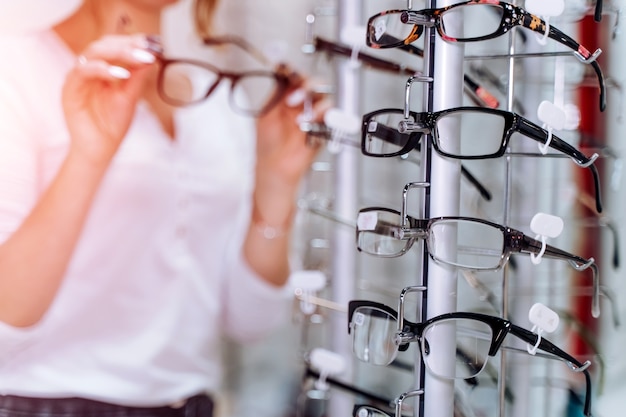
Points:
[470,21]
[255,92]
[464,133]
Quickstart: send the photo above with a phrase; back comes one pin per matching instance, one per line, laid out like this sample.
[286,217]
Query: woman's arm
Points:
[283,158]
[98,100]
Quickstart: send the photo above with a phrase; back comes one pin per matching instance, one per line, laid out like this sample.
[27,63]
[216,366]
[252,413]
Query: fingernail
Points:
[296,98]
[119,72]
[143,56]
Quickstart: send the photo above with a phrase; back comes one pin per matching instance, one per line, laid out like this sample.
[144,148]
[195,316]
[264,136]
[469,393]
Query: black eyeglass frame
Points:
[412,332]
[512,16]
[426,122]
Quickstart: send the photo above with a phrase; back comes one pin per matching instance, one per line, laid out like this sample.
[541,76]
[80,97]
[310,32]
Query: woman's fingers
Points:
[101,91]
[126,51]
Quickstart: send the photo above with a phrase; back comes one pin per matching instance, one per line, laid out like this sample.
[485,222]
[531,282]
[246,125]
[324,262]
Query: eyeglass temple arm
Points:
[311,373]
[530,245]
[335,48]
[584,56]
[539,134]
[603,220]
[238,41]
[573,363]
[529,21]
[479,94]
[597,15]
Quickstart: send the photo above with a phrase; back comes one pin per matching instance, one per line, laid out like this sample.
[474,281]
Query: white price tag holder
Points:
[327,363]
[546,9]
[544,226]
[355,37]
[306,284]
[543,320]
[341,124]
[553,118]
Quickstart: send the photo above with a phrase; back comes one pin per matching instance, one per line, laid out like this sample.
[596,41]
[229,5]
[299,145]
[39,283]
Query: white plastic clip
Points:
[308,47]
[544,225]
[553,118]
[341,124]
[327,363]
[355,37]
[543,320]
[305,285]
[545,9]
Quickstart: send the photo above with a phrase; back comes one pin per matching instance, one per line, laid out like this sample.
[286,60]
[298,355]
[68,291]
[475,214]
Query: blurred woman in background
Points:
[134,233]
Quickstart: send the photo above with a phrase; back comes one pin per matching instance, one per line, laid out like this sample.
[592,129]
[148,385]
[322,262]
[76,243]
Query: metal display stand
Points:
[444,62]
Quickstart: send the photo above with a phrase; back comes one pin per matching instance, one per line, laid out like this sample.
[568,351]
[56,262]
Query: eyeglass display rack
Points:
[446,62]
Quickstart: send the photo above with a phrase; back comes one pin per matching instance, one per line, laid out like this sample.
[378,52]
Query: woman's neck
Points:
[95,19]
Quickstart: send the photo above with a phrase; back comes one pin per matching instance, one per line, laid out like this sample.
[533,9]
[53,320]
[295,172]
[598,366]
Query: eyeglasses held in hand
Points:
[183,82]
[394,28]
[461,242]
[376,339]
[389,132]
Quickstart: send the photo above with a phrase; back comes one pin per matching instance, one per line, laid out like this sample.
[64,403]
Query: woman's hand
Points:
[283,154]
[102,90]
[283,158]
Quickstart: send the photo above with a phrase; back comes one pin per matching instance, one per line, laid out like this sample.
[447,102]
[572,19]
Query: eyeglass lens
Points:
[471,340]
[374,341]
[462,134]
[478,245]
[489,15]
[386,29]
[188,82]
[373,335]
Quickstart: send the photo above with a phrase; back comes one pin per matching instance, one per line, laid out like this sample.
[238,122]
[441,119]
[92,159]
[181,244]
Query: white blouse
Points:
[158,273]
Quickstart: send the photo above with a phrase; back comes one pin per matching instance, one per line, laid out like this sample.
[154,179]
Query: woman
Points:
[133,233]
